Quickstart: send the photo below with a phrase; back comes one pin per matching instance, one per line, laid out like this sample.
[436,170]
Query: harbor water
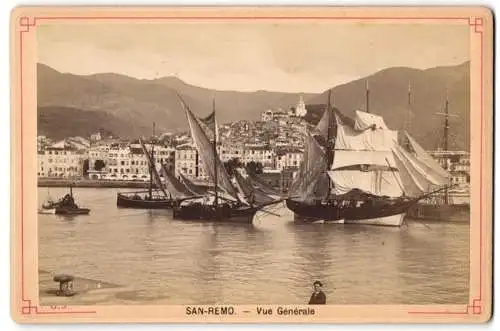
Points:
[157,260]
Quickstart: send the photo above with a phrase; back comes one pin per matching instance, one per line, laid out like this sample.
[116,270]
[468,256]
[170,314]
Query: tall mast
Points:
[216,201]
[329,137]
[408,115]
[446,123]
[367,97]
[445,133]
[446,128]
[152,163]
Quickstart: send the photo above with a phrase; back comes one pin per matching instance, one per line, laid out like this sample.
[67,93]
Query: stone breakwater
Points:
[45,182]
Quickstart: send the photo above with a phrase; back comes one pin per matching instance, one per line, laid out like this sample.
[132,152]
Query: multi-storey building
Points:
[288,158]
[128,162]
[187,162]
[229,151]
[60,162]
[260,154]
[457,163]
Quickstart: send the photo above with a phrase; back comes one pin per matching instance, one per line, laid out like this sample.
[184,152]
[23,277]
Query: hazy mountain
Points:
[143,102]
[61,122]
[389,97]
[131,105]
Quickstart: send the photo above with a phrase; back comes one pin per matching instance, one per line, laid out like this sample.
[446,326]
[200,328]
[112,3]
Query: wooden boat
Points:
[67,205]
[156,198]
[142,200]
[46,210]
[225,203]
[438,212]
[222,212]
[355,171]
[48,206]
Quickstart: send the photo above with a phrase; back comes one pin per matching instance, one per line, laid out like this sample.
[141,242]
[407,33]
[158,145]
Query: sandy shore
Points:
[94,292]
[87,291]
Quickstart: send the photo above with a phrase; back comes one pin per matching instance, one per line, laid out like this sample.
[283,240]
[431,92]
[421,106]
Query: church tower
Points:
[300,110]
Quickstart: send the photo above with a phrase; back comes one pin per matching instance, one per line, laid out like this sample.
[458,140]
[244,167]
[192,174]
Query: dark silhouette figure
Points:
[317,297]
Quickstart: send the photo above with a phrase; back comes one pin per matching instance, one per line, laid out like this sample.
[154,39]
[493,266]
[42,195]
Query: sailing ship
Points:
[355,171]
[231,200]
[48,206]
[439,206]
[155,197]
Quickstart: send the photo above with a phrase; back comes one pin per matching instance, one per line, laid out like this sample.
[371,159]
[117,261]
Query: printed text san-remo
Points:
[211,310]
[229,310]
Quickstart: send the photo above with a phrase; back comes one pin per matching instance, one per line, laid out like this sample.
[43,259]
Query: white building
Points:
[457,163]
[300,109]
[228,152]
[261,154]
[60,162]
[128,162]
[268,115]
[288,159]
[188,163]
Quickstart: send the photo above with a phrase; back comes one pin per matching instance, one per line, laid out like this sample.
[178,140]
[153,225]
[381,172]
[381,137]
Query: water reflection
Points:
[161,260]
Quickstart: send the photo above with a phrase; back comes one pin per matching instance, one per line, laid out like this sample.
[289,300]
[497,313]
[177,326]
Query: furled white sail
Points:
[377,182]
[209,158]
[346,158]
[366,120]
[371,138]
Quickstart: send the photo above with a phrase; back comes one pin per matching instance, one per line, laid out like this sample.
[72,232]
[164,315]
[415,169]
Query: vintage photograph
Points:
[276,163]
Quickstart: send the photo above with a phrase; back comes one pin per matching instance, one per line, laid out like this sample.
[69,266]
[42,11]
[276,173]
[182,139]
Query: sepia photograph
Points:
[252,164]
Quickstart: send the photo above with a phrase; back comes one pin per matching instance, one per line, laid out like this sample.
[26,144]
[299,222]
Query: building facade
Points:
[56,162]
[290,158]
[457,163]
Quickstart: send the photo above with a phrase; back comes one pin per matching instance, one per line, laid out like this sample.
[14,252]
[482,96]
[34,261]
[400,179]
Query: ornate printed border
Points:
[27,24]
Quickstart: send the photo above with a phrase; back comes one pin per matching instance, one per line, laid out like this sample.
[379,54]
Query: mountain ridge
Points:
[137,103]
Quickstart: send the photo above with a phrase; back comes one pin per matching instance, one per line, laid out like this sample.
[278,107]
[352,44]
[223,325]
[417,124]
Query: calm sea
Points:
[160,260]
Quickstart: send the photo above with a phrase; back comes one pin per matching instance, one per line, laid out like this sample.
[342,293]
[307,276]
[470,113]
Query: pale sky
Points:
[287,57]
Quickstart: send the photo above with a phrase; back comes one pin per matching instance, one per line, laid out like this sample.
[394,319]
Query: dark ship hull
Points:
[71,211]
[125,201]
[222,214]
[437,212]
[389,213]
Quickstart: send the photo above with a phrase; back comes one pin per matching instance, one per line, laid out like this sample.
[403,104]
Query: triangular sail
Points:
[261,186]
[209,125]
[430,164]
[415,180]
[209,159]
[152,166]
[252,195]
[196,189]
[176,188]
[314,167]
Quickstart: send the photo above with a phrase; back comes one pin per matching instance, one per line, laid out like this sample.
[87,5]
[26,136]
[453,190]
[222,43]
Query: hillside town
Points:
[273,145]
